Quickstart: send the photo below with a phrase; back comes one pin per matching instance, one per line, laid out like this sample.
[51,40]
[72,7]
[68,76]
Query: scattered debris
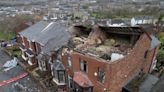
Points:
[19,87]
[10,64]
[116,56]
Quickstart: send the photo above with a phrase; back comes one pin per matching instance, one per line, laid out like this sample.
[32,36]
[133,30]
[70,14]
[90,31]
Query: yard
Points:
[6,36]
[13,51]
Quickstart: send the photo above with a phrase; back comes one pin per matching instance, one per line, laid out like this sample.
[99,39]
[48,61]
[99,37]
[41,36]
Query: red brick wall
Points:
[20,28]
[150,56]
[93,66]
[27,46]
[26,42]
[119,72]
[125,69]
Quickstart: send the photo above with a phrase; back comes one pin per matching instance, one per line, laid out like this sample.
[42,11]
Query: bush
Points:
[160,57]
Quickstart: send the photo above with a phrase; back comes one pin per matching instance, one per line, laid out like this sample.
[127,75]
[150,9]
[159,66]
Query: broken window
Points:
[83,65]
[101,75]
[69,61]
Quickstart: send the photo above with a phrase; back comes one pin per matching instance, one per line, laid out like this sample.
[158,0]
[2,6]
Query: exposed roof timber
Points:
[80,26]
[123,30]
[128,33]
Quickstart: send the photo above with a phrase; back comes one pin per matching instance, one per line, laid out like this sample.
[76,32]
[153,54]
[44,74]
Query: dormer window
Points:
[58,72]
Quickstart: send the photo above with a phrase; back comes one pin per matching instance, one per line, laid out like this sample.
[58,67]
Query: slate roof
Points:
[33,31]
[58,65]
[42,57]
[43,31]
[59,39]
[50,35]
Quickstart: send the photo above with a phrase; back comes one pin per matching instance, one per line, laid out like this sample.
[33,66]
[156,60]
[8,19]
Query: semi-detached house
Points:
[105,59]
[90,58]
[36,44]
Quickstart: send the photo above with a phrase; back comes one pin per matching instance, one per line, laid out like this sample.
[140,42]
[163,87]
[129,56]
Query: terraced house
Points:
[39,44]
[90,58]
[106,59]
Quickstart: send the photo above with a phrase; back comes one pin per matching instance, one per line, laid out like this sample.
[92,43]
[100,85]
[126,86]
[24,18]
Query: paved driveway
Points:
[26,84]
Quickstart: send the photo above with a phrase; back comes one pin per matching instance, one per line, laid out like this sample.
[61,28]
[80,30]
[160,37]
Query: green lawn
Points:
[6,36]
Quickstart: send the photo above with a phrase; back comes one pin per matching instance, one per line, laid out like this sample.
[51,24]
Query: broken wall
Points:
[125,69]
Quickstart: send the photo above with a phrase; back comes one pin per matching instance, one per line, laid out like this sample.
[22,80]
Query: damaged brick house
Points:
[95,59]
[105,59]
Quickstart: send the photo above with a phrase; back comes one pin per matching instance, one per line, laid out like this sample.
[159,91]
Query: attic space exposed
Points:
[104,42]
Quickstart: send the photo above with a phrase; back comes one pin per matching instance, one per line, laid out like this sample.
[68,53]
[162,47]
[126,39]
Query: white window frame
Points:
[69,81]
[23,55]
[30,61]
[69,61]
[42,65]
[82,65]
[100,70]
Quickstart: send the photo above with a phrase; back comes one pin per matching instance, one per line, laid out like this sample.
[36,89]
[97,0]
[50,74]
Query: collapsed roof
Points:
[106,42]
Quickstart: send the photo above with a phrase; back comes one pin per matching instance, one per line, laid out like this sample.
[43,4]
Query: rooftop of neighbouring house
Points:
[51,35]
[109,43]
[44,31]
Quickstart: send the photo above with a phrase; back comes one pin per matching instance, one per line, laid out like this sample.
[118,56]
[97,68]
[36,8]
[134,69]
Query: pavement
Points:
[148,83]
[26,84]
[159,86]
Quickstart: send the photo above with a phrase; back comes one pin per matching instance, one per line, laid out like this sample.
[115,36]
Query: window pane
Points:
[69,61]
[55,73]
[61,77]
[101,75]
[70,82]
[83,65]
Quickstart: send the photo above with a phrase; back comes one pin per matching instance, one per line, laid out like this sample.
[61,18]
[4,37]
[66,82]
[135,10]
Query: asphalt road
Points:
[26,84]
